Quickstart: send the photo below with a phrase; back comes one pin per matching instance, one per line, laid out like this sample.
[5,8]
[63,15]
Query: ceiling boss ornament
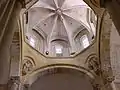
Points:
[58,11]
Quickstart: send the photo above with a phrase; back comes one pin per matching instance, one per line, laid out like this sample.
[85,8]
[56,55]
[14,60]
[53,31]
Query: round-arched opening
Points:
[59,77]
[62,81]
[60,48]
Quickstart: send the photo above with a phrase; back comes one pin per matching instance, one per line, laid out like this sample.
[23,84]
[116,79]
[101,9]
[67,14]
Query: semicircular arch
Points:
[58,68]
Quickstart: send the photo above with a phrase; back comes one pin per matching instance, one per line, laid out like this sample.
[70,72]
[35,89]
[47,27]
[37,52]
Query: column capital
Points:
[15,79]
[14,83]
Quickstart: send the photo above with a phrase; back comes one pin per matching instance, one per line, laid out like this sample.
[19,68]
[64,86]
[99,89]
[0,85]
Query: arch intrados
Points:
[55,68]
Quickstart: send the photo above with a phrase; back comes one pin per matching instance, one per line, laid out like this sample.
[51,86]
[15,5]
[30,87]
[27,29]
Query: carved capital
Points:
[109,79]
[14,82]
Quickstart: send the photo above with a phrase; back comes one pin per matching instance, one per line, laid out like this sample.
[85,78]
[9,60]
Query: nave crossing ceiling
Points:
[59,20]
[58,17]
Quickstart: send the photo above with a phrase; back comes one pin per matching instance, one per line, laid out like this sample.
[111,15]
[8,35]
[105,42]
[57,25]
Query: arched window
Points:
[59,50]
[85,41]
[82,40]
[32,42]
[36,41]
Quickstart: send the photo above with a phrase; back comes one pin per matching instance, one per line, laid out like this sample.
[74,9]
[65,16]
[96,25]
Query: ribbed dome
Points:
[59,19]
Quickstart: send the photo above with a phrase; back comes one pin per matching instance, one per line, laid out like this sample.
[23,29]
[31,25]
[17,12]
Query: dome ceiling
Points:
[58,19]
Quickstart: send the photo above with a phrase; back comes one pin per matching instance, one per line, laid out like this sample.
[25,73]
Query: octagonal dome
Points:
[59,20]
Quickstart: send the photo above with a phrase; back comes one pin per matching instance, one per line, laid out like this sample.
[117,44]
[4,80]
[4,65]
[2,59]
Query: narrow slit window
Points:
[32,42]
[85,41]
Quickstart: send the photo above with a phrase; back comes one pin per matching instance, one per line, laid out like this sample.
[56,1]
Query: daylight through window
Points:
[85,41]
